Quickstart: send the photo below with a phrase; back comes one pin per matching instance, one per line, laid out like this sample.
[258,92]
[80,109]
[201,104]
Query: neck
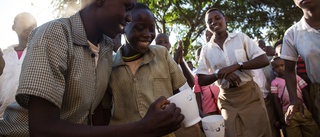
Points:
[93,35]
[282,76]
[221,36]
[128,54]
[312,17]
[21,46]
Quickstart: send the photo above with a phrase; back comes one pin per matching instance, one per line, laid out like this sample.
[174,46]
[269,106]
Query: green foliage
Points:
[187,17]
[65,8]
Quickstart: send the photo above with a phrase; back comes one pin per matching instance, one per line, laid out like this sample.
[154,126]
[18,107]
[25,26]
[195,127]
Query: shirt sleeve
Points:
[301,83]
[289,51]
[176,74]
[203,64]
[274,88]
[252,49]
[44,66]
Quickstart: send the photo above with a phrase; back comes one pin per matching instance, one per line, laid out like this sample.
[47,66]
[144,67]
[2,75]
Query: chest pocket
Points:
[241,55]
[162,85]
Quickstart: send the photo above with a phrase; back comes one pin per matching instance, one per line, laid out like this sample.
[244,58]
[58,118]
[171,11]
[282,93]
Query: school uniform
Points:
[243,106]
[301,39]
[60,69]
[131,94]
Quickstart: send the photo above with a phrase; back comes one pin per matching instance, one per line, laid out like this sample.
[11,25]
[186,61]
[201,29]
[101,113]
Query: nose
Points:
[146,33]
[213,23]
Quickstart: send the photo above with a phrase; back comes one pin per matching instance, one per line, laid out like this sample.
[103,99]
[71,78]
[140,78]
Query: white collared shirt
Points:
[238,47]
[301,39]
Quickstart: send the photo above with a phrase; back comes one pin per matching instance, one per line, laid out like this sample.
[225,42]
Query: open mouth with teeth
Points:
[144,43]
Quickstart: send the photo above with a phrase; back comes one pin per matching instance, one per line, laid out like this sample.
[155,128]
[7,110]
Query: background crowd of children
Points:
[258,91]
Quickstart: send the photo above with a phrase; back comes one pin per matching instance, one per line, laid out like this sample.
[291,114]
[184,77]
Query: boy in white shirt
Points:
[303,39]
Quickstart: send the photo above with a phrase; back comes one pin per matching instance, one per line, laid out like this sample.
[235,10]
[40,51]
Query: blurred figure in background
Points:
[263,77]
[13,56]
[191,67]
[207,96]
[163,40]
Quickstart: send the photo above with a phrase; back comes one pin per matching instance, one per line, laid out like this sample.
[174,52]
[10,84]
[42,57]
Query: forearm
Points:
[307,99]
[256,63]
[187,74]
[206,79]
[291,81]
[44,120]
[199,100]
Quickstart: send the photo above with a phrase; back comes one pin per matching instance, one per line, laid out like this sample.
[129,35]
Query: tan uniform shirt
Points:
[157,75]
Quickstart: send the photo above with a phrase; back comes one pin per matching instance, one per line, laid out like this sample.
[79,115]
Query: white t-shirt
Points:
[301,39]
[238,47]
[9,80]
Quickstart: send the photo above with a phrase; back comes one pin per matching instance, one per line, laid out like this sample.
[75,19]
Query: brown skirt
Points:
[244,111]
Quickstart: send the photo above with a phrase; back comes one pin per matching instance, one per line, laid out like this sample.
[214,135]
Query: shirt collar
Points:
[79,35]
[305,26]
[230,36]
[78,31]
[146,58]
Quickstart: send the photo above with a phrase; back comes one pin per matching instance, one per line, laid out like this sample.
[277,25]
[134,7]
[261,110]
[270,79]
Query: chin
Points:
[145,50]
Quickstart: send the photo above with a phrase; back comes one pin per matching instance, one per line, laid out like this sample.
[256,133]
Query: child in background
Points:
[207,96]
[297,126]
[163,40]
[13,57]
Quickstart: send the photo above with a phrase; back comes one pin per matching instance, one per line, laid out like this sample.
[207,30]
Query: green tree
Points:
[65,8]
[186,17]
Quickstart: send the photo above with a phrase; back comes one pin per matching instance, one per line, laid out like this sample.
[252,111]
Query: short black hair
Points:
[214,9]
[279,42]
[275,58]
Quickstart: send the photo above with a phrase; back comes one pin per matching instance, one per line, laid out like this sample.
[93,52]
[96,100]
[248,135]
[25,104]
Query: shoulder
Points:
[275,81]
[157,49]
[242,35]
[54,26]
[237,34]
[9,49]
[293,29]
[298,78]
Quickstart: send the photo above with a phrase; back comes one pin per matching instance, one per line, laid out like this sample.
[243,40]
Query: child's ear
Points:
[226,18]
